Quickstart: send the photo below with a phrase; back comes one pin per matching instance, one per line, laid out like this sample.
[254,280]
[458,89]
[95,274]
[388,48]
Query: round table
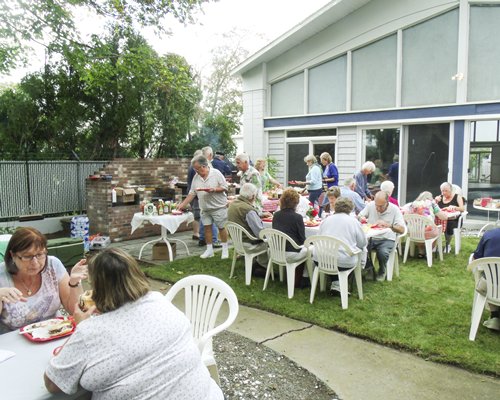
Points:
[488,209]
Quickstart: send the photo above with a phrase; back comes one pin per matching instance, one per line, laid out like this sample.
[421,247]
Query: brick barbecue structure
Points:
[113,220]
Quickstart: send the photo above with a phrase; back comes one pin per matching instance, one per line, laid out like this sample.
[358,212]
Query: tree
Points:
[51,23]
[116,98]
[222,109]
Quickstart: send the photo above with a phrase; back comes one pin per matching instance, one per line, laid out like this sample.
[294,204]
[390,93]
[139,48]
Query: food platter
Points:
[310,223]
[39,331]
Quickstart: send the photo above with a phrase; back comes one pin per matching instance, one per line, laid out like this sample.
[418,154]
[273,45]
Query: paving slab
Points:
[357,369]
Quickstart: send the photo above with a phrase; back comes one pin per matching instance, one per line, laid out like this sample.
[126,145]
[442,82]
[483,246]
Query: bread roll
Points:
[86,300]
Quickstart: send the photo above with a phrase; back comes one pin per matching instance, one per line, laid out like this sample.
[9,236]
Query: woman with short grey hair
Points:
[342,225]
[314,179]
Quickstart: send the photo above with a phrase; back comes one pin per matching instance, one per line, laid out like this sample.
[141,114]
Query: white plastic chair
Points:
[393,261]
[457,232]
[236,233]
[203,298]
[416,225]
[489,268]
[276,241]
[326,251]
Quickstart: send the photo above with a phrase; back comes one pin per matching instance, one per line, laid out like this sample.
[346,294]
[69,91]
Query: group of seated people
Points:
[137,345]
[342,216]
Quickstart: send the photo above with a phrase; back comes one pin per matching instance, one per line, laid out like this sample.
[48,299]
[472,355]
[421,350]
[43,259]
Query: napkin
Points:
[5,355]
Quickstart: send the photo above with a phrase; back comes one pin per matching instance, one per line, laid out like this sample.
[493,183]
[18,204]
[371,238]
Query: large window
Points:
[382,148]
[374,75]
[484,57]
[287,96]
[327,86]
[430,60]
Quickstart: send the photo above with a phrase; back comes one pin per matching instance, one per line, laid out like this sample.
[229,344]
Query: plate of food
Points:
[203,189]
[267,219]
[311,223]
[50,329]
[177,212]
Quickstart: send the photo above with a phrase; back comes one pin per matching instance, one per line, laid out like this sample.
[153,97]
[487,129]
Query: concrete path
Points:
[355,369]
[359,370]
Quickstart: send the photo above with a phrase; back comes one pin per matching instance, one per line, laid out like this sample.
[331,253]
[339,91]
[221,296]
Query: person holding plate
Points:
[33,285]
[210,187]
[138,346]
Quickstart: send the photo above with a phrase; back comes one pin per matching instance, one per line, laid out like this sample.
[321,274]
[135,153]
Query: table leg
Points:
[145,244]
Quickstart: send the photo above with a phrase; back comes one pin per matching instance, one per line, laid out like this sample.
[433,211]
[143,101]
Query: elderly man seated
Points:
[385,215]
[242,212]
[349,191]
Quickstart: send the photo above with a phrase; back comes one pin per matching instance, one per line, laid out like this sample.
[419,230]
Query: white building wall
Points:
[375,20]
[253,123]
[347,153]
[276,150]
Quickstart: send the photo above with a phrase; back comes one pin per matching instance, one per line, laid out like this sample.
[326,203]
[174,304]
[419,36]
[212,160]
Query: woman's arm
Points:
[51,386]
[70,287]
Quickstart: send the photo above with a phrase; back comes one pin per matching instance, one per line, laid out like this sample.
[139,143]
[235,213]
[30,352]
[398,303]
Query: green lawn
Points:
[426,311]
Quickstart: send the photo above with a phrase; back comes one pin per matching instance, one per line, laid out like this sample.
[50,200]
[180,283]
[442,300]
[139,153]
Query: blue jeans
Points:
[314,195]
[383,248]
[215,232]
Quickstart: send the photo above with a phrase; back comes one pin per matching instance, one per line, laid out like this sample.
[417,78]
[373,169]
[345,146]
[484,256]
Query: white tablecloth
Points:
[314,230]
[168,221]
[21,377]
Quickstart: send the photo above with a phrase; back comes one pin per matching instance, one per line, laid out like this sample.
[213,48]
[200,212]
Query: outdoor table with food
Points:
[489,205]
[25,354]
[169,223]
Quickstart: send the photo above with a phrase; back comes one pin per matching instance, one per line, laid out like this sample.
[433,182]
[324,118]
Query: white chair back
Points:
[489,269]
[326,252]
[236,233]
[203,298]
[276,241]
[416,225]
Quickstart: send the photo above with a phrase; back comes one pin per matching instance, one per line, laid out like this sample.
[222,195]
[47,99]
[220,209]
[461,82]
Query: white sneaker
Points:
[225,254]
[207,254]
[492,323]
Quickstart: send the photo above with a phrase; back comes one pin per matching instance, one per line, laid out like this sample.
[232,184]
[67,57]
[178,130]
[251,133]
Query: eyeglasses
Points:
[39,257]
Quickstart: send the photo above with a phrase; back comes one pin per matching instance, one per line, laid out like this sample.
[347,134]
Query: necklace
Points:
[28,288]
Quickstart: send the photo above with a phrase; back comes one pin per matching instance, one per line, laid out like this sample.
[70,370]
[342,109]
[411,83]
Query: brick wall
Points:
[148,174]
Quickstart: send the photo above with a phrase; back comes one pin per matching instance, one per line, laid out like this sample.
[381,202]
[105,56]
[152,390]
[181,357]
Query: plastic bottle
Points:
[113,195]
[160,207]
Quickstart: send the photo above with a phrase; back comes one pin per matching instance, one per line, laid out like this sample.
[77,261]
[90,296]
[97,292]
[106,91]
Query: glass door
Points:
[427,159]
[381,146]
[297,168]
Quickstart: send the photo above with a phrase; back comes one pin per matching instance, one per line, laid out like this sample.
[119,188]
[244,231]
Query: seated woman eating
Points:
[425,205]
[140,345]
[33,285]
[288,221]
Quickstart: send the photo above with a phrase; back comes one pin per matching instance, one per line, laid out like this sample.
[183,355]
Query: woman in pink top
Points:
[388,187]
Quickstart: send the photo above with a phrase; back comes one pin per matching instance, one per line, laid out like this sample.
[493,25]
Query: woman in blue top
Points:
[314,178]
[330,172]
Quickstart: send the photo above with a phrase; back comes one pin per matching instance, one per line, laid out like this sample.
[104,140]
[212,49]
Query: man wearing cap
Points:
[218,163]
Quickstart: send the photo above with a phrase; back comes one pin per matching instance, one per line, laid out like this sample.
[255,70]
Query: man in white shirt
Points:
[210,186]
[385,215]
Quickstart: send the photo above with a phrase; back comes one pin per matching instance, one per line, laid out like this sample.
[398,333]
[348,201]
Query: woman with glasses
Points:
[33,285]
